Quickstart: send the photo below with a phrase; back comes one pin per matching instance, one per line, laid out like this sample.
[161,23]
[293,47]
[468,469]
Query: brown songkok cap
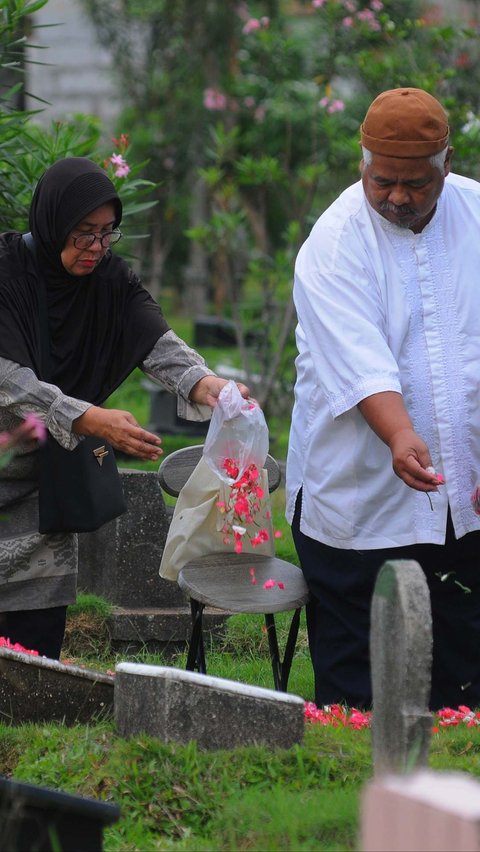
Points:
[405,123]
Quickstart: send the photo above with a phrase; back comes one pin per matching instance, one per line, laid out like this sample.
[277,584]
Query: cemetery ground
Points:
[179,797]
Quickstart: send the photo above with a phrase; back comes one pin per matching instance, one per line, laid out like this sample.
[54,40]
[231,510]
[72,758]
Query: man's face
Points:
[404,191]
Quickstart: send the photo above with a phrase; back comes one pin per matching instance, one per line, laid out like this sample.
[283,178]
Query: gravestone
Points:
[424,811]
[163,417]
[36,689]
[214,331]
[179,706]
[401,659]
[120,563]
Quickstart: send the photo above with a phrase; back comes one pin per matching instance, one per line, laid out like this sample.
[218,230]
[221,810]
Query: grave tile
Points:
[179,706]
[37,689]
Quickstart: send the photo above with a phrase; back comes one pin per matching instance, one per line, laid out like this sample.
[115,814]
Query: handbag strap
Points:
[42,312]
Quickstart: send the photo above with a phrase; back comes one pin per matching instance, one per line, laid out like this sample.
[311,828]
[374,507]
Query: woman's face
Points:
[82,261]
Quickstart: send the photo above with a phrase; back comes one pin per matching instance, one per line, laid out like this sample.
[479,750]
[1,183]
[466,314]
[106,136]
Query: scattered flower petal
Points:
[15,646]
[475,500]
[337,715]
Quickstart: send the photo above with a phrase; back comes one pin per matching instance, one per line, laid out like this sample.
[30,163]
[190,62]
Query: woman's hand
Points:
[121,430]
[206,391]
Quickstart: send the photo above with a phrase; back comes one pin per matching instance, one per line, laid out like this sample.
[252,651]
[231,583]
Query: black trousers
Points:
[39,630]
[341,583]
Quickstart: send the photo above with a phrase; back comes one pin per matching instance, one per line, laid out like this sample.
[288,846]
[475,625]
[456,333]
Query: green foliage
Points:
[27,155]
[27,149]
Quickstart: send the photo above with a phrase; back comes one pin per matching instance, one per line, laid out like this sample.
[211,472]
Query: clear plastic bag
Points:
[225,504]
[237,436]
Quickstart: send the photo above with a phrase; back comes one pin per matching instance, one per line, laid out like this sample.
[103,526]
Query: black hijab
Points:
[101,325]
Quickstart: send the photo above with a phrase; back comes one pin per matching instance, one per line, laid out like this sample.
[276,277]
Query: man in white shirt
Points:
[384,450]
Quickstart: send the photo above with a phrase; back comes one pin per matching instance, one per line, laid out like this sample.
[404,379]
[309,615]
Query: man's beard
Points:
[386,207]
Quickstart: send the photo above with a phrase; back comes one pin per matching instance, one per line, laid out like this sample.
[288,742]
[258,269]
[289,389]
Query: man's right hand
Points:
[410,460]
[386,414]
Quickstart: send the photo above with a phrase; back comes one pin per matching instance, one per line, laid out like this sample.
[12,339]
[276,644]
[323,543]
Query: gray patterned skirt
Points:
[36,571]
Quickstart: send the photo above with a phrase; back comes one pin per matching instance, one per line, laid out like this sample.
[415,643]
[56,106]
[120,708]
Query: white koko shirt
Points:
[383,309]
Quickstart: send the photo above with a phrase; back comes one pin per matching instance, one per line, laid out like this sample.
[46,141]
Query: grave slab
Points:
[425,811]
[120,560]
[120,563]
[160,629]
[179,706]
[401,660]
[37,689]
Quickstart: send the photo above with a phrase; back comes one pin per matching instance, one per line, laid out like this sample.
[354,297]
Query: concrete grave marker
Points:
[36,689]
[424,811]
[179,706]
[120,562]
[401,659]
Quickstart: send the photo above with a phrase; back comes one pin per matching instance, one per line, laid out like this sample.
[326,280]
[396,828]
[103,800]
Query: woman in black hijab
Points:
[102,324]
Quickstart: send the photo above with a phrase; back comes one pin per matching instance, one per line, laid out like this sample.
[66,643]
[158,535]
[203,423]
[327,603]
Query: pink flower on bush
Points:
[332,105]
[347,22]
[376,5]
[214,99]
[368,17]
[336,106]
[251,26]
[317,4]
[365,15]
[120,165]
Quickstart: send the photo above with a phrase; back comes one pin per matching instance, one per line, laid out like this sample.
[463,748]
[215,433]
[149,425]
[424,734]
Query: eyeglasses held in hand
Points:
[109,238]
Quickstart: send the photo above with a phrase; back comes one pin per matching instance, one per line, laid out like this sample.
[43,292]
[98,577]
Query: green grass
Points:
[253,798]
[178,797]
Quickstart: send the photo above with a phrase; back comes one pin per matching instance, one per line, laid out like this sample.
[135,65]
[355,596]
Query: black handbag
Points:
[80,489]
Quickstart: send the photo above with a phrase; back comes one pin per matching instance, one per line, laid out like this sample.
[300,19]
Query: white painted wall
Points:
[78,75]
[466,10]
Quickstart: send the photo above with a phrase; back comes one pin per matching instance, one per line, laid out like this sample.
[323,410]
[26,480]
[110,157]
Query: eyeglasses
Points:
[109,238]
